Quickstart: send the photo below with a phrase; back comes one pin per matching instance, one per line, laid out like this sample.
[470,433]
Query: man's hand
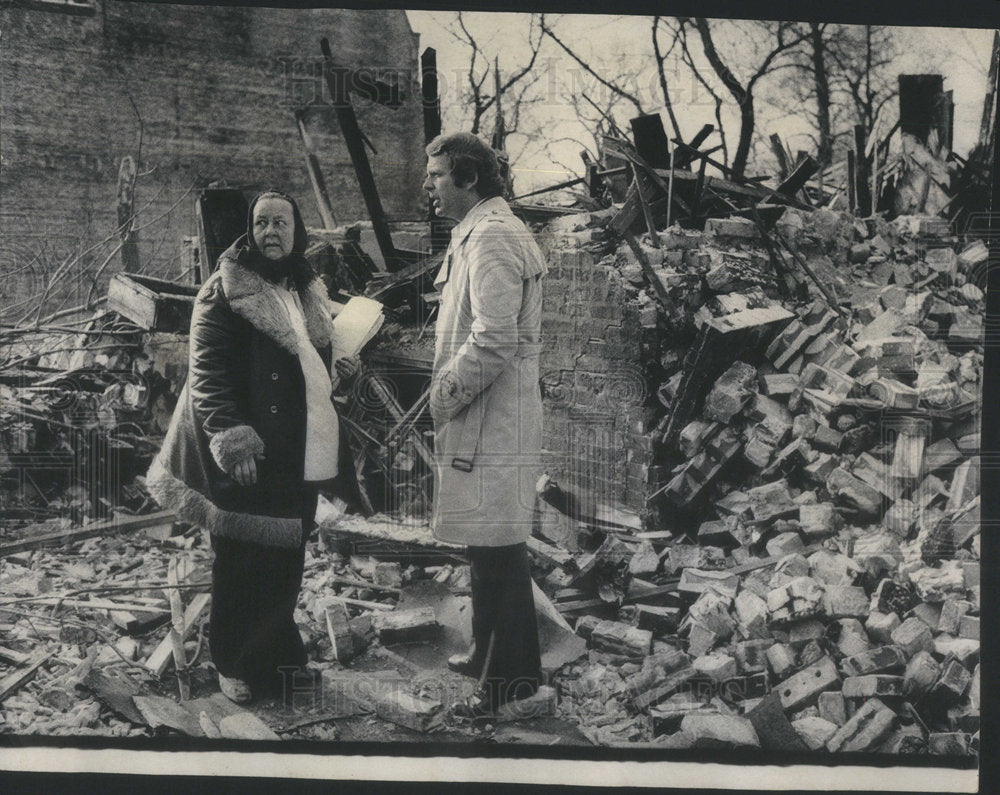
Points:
[245,472]
[347,367]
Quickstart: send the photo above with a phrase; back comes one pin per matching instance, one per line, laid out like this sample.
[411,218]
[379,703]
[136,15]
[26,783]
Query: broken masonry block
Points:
[745,687]
[716,533]
[751,655]
[865,729]
[819,470]
[929,613]
[338,628]
[831,707]
[585,626]
[913,635]
[717,667]
[826,438]
[814,730]
[969,628]
[751,612]
[733,226]
[819,520]
[644,560]
[881,685]
[802,688]
[893,394]
[730,393]
[951,683]
[833,568]
[772,727]
[870,470]
[811,652]
[398,626]
[246,726]
[854,494]
[388,574]
[964,718]
[974,688]
[942,260]
[778,384]
[949,743]
[901,517]
[693,435]
[771,501]
[701,640]
[904,740]
[771,420]
[965,650]
[789,543]
[665,687]
[781,658]
[964,484]
[891,597]
[698,581]
[757,452]
[850,636]
[657,619]
[934,584]
[921,673]
[407,710]
[880,626]
[619,638]
[845,601]
[715,731]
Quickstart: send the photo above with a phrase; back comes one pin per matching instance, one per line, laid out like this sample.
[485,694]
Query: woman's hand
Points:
[245,472]
[347,367]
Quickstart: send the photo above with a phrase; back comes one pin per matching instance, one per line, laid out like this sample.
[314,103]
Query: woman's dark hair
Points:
[295,264]
[472,160]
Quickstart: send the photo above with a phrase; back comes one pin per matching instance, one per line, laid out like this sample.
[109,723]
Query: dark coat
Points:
[245,395]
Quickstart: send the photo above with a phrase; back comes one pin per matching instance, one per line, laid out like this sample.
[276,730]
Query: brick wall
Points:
[215,88]
[595,349]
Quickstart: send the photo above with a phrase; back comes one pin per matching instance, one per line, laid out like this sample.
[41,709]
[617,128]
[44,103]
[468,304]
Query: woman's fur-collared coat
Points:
[245,395]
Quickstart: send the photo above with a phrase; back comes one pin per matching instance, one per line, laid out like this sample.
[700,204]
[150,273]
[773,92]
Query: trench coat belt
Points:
[465,453]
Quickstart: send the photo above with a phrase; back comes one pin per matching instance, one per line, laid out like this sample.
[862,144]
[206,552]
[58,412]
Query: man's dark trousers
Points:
[503,605]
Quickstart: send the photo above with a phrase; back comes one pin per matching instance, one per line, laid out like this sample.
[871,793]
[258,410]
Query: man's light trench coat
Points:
[485,397]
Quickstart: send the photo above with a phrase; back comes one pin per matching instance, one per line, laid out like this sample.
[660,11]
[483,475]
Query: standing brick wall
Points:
[215,88]
[596,423]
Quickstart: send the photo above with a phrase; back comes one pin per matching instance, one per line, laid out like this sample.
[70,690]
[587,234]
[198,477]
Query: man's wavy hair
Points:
[472,160]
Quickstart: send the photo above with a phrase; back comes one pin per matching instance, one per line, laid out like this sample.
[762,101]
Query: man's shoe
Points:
[465,664]
[236,690]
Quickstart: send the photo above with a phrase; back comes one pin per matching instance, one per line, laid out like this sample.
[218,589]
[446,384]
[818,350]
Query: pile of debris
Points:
[817,583]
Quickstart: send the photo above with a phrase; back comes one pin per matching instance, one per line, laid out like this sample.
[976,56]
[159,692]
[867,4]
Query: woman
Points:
[253,437]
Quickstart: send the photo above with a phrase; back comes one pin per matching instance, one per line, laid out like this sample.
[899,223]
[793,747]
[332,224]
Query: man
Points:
[487,411]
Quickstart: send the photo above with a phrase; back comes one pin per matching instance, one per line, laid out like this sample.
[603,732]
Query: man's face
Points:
[274,227]
[449,200]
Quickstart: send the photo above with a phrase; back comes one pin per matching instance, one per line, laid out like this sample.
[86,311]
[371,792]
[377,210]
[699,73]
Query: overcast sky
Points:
[961,55]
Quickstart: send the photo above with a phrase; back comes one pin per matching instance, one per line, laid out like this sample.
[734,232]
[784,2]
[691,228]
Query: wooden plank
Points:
[158,712]
[108,527]
[95,604]
[13,657]
[161,656]
[13,681]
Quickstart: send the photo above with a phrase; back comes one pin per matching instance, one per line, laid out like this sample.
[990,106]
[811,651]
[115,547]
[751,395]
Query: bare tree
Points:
[783,37]
[513,86]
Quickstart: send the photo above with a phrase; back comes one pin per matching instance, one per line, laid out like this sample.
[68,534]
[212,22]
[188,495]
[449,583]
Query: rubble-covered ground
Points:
[806,577]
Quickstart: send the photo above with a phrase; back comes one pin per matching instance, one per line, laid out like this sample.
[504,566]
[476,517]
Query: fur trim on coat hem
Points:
[194,507]
[235,444]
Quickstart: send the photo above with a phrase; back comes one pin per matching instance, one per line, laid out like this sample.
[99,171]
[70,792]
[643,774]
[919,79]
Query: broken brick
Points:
[800,689]
[831,707]
[913,635]
[865,729]
[873,661]
[872,685]
[921,673]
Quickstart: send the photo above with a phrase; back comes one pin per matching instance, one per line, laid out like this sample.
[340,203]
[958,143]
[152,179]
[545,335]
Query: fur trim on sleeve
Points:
[235,444]
[194,507]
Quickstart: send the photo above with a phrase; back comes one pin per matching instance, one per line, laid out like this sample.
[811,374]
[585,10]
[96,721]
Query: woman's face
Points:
[274,227]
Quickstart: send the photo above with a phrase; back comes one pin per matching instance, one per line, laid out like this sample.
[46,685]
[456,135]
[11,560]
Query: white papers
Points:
[354,326]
